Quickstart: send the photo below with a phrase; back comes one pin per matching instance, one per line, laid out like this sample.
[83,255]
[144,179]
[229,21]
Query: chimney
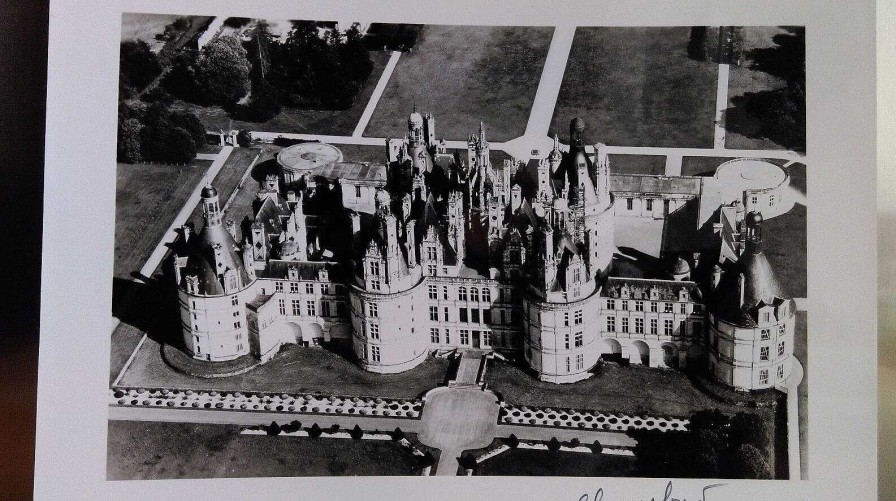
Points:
[696,257]
[516,197]
[356,223]
[290,196]
[716,276]
[230,226]
[740,287]
[410,238]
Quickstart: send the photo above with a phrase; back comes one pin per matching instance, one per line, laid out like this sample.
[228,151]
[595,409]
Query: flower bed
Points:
[263,402]
[586,419]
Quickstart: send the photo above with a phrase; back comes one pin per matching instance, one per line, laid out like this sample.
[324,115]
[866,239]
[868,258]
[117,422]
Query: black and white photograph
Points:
[354,248]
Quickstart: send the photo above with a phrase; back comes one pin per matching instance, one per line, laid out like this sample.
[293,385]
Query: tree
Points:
[356,433]
[748,462]
[314,431]
[243,138]
[222,71]
[707,451]
[274,428]
[129,140]
[596,447]
[554,444]
[697,43]
[512,441]
[188,122]
[397,434]
[710,420]
[747,428]
[137,64]
[180,80]
[467,461]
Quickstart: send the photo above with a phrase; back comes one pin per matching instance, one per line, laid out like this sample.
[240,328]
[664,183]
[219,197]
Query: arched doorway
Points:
[670,355]
[610,349]
[315,334]
[641,350]
[290,332]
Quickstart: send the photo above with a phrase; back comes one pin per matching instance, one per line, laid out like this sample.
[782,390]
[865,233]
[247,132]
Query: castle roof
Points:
[643,184]
[639,288]
[353,173]
[306,270]
[212,250]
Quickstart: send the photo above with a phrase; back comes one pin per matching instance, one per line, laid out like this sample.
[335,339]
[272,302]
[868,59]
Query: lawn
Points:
[637,164]
[632,390]
[331,122]
[294,370]
[636,86]
[124,341]
[464,75]
[148,197]
[147,450]
[540,463]
[748,79]
[701,166]
[363,153]
[784,243]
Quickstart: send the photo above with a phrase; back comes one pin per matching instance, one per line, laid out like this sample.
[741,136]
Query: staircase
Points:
[471,370]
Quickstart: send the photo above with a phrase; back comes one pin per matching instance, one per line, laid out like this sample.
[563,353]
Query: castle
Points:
[555,261]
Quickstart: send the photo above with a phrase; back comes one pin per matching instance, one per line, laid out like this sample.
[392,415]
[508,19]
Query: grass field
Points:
[541,463]
[334,122]
[701,166]
[616,389]
[742,79]
[228,179]
[784,242]
[637,164]
[637,87]
[148,197]
[147,450]
[464,75]
[294,370]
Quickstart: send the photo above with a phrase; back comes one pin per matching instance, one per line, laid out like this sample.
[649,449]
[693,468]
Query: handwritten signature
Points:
[667,496]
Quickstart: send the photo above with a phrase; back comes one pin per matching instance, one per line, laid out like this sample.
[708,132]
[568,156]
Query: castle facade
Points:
[555,261]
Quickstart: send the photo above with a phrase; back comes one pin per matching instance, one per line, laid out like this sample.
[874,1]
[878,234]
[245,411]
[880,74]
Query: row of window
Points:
[653,305]
[476,294]
[766,334]
[326,308]
[668,326]
[764,351]
[580,363]
[474,315]
[630,204]
[479,338]
[763,374]
[296,288]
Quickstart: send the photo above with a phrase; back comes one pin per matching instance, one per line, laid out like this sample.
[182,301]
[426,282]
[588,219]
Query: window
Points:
[309,288]
[782,329]
[445,292]
[325,289]
[780,372]
[639,326]
[611,304]
[487,295]
[624,324]
[296,307]
[434,313]
[649,204]
[434,335]
[462,314]
[611,324]
[566,318]
[233,301]
[474,294]
[433,292]
[653,327]
[754,200]
[357,192]
[667,327]
[486,338]
[464,336]
[763,353]
[293,288]
[372,310]
[578,339]
[763,376]
[625,306]
[781,349]
[766,317]
[577,317]
[580,361]
[462,293]
[682,328]
[325,309]
[375,353]
[375,285]
[445,311]
[639,305]
[237,325]
[576,275]
[373,330]
[566,341]
[474,315]
[667,307]
[283,307]
[278,286]
[431,253]
[766,334]
[486,316]
[684,308]
[653,307]
[432,270]
[447,336]
[311,306]
[375,268]
[567,364]
[629,204]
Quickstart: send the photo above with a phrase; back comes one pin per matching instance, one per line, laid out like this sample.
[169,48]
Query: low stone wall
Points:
[261,402]
[586,419]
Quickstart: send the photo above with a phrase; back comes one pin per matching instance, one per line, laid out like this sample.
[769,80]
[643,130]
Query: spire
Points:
[482,134]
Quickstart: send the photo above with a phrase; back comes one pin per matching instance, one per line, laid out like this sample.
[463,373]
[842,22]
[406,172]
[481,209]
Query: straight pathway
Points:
[721,105]
[551,79]
[673,165]
[377,93]
[791,388]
